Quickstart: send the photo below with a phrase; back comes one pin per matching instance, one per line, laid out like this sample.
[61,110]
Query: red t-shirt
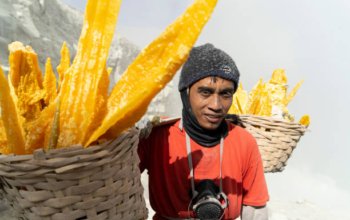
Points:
[164,155]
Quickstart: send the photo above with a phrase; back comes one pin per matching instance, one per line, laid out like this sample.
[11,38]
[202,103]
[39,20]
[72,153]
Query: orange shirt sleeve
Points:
[255,191]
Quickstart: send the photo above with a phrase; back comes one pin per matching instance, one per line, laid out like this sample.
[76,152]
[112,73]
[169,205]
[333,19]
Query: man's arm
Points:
[255,193]
[254,213]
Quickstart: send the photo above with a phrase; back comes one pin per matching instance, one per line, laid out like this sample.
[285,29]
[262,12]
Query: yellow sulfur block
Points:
[51,138]
[239,101]
[10,119]
[234,109]
[254,97]
[109,70]
[4,149]
[84,89]
[39,130]
[305,120]
[153,69]
[265,104]
[277,87]
[49,84]
[242,99]
[292,93]
[26,80]
[64,63]
[279,77]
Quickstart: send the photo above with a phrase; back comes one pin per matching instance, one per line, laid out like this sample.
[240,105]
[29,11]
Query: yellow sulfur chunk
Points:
[277,87]
[292,93]
[278,77]
[305,120]
[109,70]
[264,106]
[38,130]
[15,60]
[84,89]
[50,91]
[15,101]
[10,119]
[266,99]
[26,79]
[51,142]
[259,100]
[277,90]
[64,63]
[101,107]
[234,109]
[153,69]
[242,99]
[4,149]
[14,98]
[239,101]
[254,97]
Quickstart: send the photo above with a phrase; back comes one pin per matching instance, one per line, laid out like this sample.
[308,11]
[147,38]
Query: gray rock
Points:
[45,25]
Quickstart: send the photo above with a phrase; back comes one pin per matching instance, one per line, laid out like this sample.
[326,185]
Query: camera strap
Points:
[190,163]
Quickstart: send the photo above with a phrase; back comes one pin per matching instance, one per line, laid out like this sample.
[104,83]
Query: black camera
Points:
[208,202]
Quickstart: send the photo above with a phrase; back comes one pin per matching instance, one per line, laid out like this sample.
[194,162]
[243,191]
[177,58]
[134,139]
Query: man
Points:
[202,166]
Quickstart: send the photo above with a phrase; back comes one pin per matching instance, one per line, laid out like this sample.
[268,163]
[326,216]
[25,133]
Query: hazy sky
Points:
[310,39]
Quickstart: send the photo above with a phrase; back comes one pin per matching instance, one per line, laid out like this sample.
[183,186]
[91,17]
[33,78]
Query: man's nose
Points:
[215,103]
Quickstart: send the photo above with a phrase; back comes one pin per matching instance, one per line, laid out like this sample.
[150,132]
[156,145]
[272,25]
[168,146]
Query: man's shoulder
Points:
[166,124]
[239,130]
[235,128]
[165,129]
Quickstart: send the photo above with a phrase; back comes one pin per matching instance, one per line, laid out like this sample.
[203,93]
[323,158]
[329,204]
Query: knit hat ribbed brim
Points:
[204,61]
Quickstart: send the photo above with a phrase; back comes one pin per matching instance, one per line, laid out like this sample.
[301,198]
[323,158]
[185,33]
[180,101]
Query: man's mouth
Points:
[214,118]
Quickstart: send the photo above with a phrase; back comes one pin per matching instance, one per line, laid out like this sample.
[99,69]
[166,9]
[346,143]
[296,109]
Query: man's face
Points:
[210,100]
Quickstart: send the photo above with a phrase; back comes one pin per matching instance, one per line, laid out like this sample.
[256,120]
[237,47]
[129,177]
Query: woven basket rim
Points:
[74,147]
[276,139]
[271,119]
[76,182]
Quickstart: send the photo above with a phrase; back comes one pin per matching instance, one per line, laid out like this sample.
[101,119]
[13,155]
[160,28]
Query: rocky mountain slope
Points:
[45,25]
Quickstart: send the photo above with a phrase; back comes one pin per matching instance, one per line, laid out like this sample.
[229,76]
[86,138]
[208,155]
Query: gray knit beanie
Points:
[204,61]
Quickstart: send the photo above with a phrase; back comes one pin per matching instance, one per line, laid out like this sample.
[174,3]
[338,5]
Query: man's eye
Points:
[227,94]
[205,92]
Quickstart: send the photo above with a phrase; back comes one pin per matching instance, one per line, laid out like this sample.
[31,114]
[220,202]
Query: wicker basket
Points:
[99,182]
[276,139]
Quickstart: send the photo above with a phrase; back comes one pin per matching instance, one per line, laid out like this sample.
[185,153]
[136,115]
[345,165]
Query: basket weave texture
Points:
[276,139]
[98,182]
